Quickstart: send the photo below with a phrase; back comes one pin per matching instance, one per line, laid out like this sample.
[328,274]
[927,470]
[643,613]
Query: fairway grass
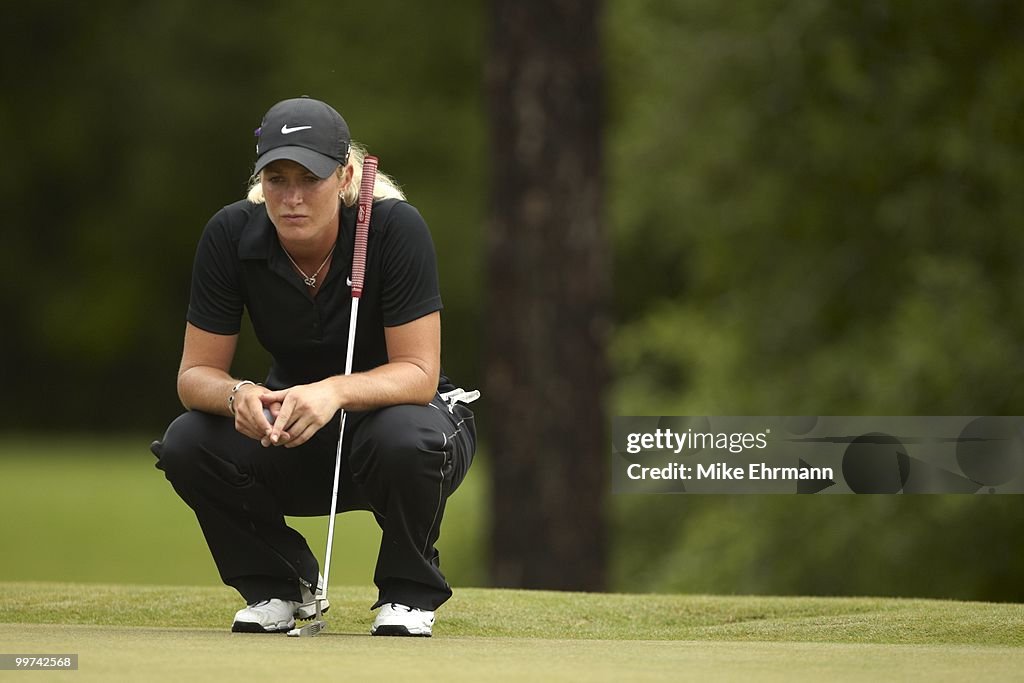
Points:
[97,510]
[181,633]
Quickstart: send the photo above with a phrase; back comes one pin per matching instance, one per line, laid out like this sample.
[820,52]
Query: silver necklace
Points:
[310,280]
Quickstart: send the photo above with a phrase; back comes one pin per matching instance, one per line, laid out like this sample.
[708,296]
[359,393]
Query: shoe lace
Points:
[396,606]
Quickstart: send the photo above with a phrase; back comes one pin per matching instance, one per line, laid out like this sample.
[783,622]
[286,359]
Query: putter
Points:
[358,273]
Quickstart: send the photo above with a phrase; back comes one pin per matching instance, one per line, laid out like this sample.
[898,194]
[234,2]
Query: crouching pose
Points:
[246,453]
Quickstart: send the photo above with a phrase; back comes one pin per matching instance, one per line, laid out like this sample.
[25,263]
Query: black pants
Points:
[400,462]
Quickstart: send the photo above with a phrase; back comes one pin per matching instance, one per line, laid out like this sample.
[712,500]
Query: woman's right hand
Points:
[250,417]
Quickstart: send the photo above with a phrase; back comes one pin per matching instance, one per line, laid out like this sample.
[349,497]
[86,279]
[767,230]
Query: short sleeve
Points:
[215,302]
[410,287]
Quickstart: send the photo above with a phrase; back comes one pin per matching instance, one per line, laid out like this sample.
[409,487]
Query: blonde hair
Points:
[384,186]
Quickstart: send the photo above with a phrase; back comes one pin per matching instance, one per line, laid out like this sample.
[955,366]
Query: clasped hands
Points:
[288,417]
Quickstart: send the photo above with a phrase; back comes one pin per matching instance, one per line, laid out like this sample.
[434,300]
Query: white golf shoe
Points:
[394,619]
[307,609]
[266,616]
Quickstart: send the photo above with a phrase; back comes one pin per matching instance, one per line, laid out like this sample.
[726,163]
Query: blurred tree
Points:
[547,279]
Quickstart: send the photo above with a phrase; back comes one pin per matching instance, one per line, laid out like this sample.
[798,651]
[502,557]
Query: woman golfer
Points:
[248,453]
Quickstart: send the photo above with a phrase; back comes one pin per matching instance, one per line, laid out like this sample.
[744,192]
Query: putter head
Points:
[314,627]
[310,629]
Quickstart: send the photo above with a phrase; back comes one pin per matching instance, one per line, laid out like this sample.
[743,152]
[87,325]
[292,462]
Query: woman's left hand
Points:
[302,410]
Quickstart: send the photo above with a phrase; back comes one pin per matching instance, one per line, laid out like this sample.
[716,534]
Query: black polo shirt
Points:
[240,263]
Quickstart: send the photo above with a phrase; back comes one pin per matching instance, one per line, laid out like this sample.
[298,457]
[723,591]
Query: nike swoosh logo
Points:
[348,281]
[285,129]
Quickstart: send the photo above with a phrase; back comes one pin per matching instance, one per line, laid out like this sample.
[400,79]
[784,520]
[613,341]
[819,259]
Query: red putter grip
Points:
[363,225]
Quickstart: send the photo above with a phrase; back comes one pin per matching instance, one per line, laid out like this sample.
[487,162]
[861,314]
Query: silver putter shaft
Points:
[316,626]
[358,272]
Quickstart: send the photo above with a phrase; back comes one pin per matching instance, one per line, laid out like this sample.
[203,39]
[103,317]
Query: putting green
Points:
[111,653]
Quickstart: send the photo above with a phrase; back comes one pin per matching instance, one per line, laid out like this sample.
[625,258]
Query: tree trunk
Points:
[547,286]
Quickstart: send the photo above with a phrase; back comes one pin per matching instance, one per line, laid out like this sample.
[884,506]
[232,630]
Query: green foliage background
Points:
[817,210]
[814,208]
[133,123]
[818,207]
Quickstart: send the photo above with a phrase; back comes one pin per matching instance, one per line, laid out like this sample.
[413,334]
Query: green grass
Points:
[180,633]
[95,509]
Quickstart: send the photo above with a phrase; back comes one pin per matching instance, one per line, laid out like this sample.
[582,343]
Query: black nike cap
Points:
[306,131]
